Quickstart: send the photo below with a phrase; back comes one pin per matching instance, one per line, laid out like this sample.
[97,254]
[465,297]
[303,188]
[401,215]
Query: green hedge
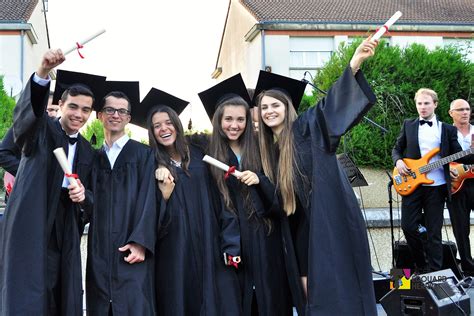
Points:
[395,74]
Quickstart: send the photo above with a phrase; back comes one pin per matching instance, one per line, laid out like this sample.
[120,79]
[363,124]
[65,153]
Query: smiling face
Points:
[233,121]
[75,112]
[273,113]
[163,129]
[115,122]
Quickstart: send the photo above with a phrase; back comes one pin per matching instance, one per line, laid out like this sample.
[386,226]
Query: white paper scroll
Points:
[83,42]
[64,163]
[220,165]
[386,26]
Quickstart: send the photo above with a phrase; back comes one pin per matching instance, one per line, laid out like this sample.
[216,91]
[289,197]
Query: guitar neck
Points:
[441,162]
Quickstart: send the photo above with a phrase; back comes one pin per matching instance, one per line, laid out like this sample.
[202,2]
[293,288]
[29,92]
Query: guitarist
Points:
[417,137]
[462,203]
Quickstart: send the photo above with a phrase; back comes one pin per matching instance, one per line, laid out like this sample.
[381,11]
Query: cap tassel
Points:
[93,140]
[190,124]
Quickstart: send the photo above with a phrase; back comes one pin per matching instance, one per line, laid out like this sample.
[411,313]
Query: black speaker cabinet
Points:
[435,293]
[403,258]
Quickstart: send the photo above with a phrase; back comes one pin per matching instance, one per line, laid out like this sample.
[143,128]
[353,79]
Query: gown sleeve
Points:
[10,153]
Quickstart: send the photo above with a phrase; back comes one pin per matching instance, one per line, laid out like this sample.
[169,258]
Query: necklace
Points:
[175,163]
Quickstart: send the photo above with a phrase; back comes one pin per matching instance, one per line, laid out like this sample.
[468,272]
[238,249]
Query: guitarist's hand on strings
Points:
[453,173]
[402,167]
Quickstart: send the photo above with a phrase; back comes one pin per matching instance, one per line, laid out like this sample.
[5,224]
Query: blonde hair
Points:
[427,91]
[281,172]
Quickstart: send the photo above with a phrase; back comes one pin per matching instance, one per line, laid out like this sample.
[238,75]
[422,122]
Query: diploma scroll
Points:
[386,26]
[220,165]
[83,42]
[64,163]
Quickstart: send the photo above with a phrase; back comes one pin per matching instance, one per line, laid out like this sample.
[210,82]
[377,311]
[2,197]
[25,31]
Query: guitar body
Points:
[405,185]
[464,172]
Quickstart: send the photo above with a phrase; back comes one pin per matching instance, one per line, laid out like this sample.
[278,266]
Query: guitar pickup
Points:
[413,175]
[398,179]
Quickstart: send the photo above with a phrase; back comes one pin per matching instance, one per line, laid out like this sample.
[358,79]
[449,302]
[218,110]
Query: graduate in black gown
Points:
[122,232]
[262,274]
[329,234]
[194,229]
[40,267]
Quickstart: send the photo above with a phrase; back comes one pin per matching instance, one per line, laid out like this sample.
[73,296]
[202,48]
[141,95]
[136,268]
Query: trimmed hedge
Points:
[395,74]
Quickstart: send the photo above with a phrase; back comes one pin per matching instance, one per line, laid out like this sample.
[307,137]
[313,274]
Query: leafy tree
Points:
[395,74]
[6,110]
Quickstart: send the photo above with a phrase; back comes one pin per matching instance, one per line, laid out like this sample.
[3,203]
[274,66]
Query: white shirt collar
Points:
[118,143]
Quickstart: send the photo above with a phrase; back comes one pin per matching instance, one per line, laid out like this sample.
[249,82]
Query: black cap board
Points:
[65,79]
[211,97]
[153,98]
[130,88]
[268,81]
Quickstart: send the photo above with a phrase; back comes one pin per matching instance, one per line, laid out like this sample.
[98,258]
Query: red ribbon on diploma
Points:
[79,46]
[229,172]
[231,262]
[383,27]
[71,175]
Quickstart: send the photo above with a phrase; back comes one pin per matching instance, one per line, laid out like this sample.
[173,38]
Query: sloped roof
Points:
[453,12]
[17,10]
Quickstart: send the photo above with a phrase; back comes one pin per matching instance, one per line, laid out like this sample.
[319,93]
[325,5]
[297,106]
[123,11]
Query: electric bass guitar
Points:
[405,185]
[464,172]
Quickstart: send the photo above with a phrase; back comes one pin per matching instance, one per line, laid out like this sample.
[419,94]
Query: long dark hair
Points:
[219,147]
[281,172]
[161,155]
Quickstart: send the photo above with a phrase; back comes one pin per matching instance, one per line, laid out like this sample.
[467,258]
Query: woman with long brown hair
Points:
[262,274]
[191,276]
[298,155]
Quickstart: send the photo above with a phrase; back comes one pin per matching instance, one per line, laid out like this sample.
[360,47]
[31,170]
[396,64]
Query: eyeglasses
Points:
[111,111]
[462,109]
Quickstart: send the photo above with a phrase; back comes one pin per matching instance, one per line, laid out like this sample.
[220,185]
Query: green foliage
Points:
[94,128]
[6,110]
[395,74]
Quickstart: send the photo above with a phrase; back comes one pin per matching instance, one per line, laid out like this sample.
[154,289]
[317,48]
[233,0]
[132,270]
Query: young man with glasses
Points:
[462,202]
[122,231]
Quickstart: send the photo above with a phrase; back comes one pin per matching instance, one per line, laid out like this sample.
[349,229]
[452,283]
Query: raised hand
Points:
[52,58]
[365,50]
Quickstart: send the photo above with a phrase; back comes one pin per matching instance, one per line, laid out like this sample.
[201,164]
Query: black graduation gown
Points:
[32,213]
[191,277]
[124,212]
[339,267]
[10,153]
[263,264]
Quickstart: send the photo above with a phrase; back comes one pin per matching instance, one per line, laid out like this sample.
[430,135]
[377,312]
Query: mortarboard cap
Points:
[153,98]
[65,79]
[130,88]
[212,96]
[294,88]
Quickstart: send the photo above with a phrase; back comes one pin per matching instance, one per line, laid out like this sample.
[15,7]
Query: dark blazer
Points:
[407,145]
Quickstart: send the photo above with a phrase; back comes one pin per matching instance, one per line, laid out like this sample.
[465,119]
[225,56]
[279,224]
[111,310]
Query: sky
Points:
[170,45]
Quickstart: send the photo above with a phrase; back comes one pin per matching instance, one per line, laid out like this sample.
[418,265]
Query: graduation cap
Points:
[153,98]
[223,90]
[292,87]
[66,79]
[130,88]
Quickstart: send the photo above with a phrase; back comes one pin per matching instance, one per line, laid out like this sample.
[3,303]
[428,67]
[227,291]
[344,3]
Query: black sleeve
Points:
[10,153]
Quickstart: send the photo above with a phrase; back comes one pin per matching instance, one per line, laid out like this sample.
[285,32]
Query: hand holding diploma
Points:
[76,189]
[230,170]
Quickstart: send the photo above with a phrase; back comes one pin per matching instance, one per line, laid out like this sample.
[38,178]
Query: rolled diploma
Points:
[87,40]
[220,165]
[387,25]
[64,163]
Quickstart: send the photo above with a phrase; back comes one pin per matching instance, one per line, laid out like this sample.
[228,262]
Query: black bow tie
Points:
[71,140]
[427,122]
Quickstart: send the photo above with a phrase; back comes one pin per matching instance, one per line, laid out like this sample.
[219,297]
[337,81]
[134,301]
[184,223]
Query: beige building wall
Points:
[238,55]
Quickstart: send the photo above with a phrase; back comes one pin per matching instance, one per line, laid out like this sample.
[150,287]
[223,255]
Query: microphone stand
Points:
[390,202]
[383,129]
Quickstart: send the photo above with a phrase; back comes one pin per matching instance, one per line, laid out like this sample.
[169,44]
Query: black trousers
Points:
[460,207]
[425,206]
